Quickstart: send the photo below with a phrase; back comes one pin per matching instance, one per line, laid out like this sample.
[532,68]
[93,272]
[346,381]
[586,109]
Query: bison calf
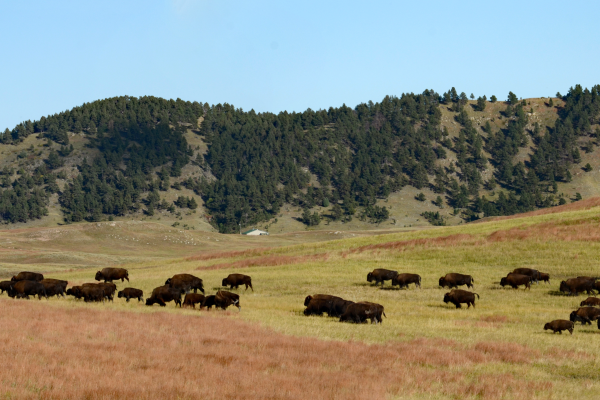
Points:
[5,286]
[235,280]
[191,299]
[559,325]
[458,296]
[131,293]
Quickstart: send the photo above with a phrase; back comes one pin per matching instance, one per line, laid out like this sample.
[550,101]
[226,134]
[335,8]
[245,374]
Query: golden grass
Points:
[492,351]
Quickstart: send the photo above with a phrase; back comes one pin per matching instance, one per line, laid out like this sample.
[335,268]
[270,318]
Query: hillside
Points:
[337,170]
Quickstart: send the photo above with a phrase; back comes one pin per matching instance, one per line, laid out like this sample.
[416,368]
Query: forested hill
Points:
[451,158]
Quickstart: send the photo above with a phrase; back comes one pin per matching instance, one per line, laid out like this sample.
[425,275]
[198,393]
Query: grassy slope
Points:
[506,323]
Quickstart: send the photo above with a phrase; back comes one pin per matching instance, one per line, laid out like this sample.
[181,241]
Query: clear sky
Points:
[288,55]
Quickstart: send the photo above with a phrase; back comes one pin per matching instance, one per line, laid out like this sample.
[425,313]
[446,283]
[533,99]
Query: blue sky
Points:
[287,55]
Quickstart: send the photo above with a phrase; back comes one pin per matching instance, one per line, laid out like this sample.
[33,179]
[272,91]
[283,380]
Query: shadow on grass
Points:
[558,293]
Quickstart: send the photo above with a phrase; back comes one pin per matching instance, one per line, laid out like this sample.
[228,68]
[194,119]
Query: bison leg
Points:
[457,305]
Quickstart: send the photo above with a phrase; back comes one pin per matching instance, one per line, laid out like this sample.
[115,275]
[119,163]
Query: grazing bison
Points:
[559,325]
[320,296]
[27,276]
[381,275]
[544,277]
[585,315]
[516,280]
[319,306]
[164,294]
[5,286]
[54,287]
[590,301]
[575,285]
[208,302]
[225,299]
[75,291]
[109,289]
[191,299]
[534,274]
[186,282]
[92,293]
[112,274]
[24,289]
[458,296]
[403,280]
[131,293]
[339,307]
[456,280]
[376,312]
[235,280]
[360,312]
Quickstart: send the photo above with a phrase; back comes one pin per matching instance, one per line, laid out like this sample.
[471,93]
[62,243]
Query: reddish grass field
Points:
[53,352]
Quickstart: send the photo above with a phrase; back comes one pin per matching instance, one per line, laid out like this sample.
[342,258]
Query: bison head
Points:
[307,300]
[447,298]
[564,287]
[442,281]
[547,326]
[503,282]
[150,302]
[14,278]
[99,276]
[370,277]
[224,282]
[120,294]
[168,282]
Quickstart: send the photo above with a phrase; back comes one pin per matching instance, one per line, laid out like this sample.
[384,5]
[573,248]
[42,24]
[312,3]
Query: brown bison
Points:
[544,277]
[559,325]
[360,312]
[185,282]
[109,289]
[27,276]
[590,301]
[74,291]
[191,299]
[585,315]
[319,296]
[575,285]
[112,274]
[208,302]
[55,287]
[235,280]
[92,293]
[225,299]
[534,274]
[24,289]
[458,296]
[455,280]
[318,307]
[515,280]
[339,307]
[131,293]
[5,286]
[164,294]
[381,275]
[403,280]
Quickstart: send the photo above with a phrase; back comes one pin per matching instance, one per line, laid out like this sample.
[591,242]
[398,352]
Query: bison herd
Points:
[27,284]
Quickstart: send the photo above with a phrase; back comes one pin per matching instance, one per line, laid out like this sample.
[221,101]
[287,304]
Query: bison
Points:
[575,285]
[360,312]
[186,282]
[455,280]
[544,277]
[225,299]
[92,293]
[318,307]
[164,294]
[590,301]
[27,276]
[381,275]
[235,280]
[55,287]
[24,289]
[109,289]
[559,325]
[515,280]
[403,280]
[208,302]
[191,299]
[112,274]
[458,296]
[339,307]
[131,293]
[585,315]
[5,286]
[75,291]
[319,296]
[534,274]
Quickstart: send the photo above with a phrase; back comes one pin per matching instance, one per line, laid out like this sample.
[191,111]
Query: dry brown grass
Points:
[89,353]
[578,205]
[441,241]
[582,230]
[267,261]
[228,254]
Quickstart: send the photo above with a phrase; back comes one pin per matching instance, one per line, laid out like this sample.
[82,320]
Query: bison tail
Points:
[383,312]
[477,295]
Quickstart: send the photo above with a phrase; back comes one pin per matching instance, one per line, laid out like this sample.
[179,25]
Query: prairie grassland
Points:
[424,348]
